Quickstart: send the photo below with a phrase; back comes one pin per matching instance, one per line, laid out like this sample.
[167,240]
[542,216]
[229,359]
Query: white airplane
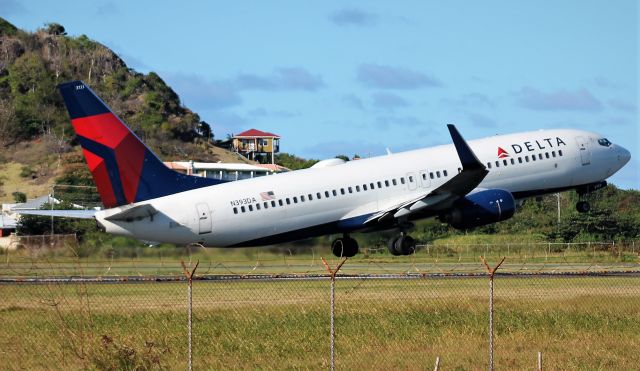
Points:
[463,184]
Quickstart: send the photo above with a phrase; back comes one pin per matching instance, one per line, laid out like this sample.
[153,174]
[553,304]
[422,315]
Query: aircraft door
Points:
[425,180]
[204,218]
[583,147]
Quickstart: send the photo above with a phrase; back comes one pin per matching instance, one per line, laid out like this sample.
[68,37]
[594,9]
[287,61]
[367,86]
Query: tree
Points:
[19,197]
[31,225]
[55,29]
[32,89]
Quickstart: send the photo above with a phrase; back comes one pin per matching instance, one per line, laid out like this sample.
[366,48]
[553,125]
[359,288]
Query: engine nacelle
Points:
[481,208]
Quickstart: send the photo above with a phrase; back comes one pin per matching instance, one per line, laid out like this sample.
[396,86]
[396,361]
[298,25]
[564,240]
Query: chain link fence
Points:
[577,315]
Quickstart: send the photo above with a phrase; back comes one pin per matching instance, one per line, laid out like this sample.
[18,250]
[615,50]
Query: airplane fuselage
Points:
[340,198]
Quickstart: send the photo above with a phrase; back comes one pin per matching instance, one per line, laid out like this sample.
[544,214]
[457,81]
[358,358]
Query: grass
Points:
[439,258]
[578,323]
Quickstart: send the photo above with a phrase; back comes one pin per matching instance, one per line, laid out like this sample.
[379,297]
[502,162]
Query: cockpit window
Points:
[604,142]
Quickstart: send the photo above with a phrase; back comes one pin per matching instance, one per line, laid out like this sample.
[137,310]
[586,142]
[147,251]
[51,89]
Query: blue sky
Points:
[337,77]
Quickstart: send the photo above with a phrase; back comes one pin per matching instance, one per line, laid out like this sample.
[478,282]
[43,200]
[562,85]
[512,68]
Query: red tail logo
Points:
[502,153]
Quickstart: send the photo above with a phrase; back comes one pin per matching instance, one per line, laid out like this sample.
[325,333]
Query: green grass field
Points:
[577,322]
[445,256]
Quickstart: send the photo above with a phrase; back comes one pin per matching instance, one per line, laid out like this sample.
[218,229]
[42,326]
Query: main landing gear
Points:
[402,245]
[345,246]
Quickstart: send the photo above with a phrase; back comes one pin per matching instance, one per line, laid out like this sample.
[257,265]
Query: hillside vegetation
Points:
[35,131]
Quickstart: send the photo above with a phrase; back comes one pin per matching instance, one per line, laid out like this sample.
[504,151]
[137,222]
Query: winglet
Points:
[467,157]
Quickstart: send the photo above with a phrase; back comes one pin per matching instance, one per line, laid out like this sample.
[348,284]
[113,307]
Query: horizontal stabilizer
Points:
[78,214]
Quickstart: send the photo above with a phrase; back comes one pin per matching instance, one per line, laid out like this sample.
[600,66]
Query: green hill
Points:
[35,133]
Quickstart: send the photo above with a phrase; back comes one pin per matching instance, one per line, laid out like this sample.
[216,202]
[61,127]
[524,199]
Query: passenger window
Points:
[310,197]
[350,190]
[559,152]
[424,176]
[513,162]
[533,157]
[520,160]
[444,172]
[386,183]
[488,166]
[318,196]
[372,186]
[393,181]
[257,206]
[242,209]
[357,188]
[546,154]
[410,179]
[364,187]
[497,163]
[431,175]
[326,194]
[301,198]
[379,184]
[540,156]
[235,210]
[505,163]
[273,204]
[335,193]
[526,158]
[402,180]
[553,154]
[288,201]
[342,191]
[438,174]
[266,205]
[280,202]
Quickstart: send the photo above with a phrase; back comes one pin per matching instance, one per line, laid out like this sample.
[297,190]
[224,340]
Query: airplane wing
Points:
[473,172]
[78,214]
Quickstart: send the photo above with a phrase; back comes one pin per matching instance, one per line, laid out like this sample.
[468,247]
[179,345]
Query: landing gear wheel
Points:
[392,246]
[346,247]
[583,206]
[402,245]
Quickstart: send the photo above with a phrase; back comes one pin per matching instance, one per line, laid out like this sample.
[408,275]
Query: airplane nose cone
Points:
[623,156]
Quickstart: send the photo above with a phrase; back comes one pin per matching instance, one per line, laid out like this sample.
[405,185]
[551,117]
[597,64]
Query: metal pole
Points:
[189,274]
[539,361]
[190,323]
[491,322]
[332,276]
[51,204]
[332,332]
[492,272]
[558,196]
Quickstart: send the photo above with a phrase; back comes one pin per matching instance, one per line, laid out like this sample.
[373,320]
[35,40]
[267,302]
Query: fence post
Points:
[491,271]
[539,361]
[332,275]
[189,274]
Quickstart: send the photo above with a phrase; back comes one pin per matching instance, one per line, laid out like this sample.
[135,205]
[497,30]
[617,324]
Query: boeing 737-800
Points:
[463,184]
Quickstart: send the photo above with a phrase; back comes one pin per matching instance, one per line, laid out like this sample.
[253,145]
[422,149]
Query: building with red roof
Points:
[257,145]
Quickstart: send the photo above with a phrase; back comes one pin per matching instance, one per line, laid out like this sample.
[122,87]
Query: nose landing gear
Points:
[583,206]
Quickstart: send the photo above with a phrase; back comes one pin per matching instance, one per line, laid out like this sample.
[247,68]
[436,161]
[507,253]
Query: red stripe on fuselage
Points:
[104,128]
[98,170]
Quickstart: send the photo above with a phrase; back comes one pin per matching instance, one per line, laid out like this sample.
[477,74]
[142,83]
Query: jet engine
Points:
[480,208]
